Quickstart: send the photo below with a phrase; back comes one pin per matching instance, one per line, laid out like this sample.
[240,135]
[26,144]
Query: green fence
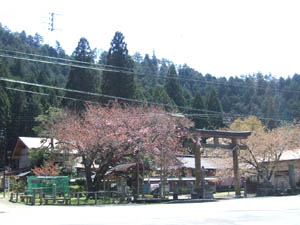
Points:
[46,183]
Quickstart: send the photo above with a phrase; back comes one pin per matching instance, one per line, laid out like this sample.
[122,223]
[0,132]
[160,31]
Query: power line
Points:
[75,99]
[45,94]
[212,113]
[67,60]
[103,95]
[116,69]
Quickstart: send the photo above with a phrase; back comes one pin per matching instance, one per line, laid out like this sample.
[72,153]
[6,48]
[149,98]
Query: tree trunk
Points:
[88,176]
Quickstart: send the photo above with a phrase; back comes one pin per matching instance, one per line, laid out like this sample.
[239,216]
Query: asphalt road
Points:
[267,210]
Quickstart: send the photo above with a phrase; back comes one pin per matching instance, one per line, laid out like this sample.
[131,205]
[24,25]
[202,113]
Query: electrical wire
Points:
[64,59]
[122,70]
[212,113]
[45,94]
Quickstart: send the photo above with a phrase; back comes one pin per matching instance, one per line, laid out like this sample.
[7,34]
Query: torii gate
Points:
[216,134]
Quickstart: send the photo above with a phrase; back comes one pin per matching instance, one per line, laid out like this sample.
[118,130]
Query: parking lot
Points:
[266,210]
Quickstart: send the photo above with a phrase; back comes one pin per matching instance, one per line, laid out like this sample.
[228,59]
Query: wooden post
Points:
[138,175]
[292,179]
[245,188]
[17,196]
[11,196]
[197,165]
[78,199]
[33,197]
[41,196]
[54,193]
[199,183]
[143,184]
[95,198]
[237,186]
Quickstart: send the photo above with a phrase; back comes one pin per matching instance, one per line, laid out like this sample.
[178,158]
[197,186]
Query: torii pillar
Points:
[234,146]
[237,185]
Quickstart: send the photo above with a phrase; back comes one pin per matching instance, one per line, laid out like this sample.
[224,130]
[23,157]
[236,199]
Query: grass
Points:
[74,201]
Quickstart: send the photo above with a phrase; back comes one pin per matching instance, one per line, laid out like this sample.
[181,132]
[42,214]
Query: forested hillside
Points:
[211,102]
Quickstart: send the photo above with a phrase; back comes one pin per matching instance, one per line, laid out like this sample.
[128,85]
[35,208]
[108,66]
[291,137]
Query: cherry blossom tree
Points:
[263,153]
[47,169]
[107,136]
[265,148]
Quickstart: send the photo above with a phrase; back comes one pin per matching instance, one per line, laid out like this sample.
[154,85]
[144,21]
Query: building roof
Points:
[290,155]
[207,163]
[157,179]
[123,168]
[37,142]
[31,142]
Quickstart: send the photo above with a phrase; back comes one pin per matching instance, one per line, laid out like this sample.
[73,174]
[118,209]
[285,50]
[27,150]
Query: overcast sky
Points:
[220,37]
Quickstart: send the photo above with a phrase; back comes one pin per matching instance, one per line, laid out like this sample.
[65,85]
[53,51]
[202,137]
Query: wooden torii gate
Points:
[234,146]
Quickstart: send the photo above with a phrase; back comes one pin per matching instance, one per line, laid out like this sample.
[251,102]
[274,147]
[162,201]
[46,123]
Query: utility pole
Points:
[3,146]
[51,21]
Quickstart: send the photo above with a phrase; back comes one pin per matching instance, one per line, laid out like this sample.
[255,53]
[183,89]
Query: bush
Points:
[18,185]
[76,188]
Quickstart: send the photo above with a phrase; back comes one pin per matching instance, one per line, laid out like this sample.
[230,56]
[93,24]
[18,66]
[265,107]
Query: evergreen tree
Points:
[201,121]
[18,111]
[82,79]
[4,108]
[163,71]
[150,71]
[173,87]
[119,84]
[214,105]
[272,113]
[160,95]
[33,109]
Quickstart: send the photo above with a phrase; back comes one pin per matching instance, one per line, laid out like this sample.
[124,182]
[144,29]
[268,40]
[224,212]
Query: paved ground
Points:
[268,210]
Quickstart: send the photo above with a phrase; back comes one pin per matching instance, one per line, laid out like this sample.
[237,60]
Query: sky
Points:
[220,37]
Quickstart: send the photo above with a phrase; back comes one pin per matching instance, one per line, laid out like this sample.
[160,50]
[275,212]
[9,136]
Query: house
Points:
[21,151]
[185,179]
[287,166]
[280,178]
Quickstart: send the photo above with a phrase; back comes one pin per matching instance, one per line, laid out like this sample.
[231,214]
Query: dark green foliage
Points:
[257,94]
[213,103]
[199,117]
[119,84]
[4,108]
[160,95]
[173,88]
[45,120]
[33,108]
[18,109]
[37,156]
[81,79]
[149,75]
